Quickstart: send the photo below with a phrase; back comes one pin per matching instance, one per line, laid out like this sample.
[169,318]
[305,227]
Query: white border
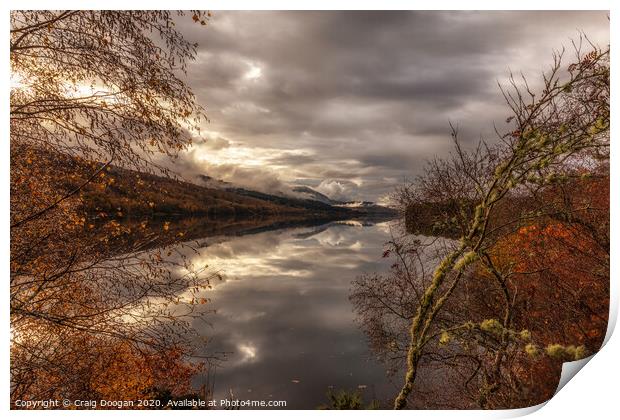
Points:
[592,395]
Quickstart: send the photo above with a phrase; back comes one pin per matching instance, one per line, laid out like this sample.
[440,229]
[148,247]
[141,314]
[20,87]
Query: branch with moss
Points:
[550,131]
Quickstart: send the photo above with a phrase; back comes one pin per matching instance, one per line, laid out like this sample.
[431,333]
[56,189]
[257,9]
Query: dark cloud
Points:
[363,98]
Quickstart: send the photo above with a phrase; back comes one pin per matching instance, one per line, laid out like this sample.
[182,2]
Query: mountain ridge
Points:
[130,193]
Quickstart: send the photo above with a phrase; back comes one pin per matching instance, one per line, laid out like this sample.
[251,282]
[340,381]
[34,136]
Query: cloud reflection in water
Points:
[282,310]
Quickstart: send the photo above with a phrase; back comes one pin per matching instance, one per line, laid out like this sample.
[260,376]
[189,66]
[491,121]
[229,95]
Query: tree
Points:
[471,313]
[91,89]
[97,84]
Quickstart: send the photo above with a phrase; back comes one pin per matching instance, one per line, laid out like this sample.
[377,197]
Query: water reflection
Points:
[282,310]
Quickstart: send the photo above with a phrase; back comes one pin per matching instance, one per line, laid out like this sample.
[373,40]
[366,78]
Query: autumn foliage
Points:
[515,277]
[95,312]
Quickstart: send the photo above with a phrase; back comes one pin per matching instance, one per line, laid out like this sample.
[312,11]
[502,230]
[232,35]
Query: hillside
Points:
[309,193]
[128,193]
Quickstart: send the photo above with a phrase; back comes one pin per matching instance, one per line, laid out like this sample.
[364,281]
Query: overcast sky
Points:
[351,103]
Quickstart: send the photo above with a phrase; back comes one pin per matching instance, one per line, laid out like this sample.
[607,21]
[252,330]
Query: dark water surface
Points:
[283,313]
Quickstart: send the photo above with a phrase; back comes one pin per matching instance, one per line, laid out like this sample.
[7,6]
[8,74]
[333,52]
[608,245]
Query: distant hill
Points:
[309,193]
[210,182]
[369,208]
[119,192]
[307,203]
[135,193]
[305,197]
[300,191]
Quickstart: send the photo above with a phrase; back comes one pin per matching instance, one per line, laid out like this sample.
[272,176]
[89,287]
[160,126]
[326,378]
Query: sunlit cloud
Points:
[255,72]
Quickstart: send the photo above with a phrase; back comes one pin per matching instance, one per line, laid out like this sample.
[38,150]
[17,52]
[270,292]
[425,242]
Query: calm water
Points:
[283,314]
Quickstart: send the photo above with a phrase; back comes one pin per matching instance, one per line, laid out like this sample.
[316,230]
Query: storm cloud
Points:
[354,102]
